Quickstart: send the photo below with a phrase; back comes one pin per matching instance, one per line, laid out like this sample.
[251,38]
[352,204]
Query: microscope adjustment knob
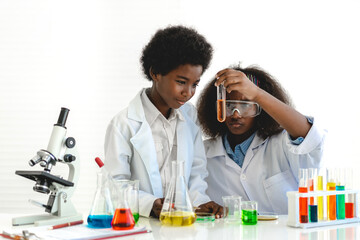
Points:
[69,158]
[70,142]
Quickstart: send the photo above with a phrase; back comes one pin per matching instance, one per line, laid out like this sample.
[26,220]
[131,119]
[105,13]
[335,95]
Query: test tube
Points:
[340,198]
[349,198]
[303,201]
[221,107]
[313,207]
[331,199]
[320,199]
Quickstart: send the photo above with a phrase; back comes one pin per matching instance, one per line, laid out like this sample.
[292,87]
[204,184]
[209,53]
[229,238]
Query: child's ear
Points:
[153,75]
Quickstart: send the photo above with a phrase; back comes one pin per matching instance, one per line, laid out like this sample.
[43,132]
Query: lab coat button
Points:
[243,177]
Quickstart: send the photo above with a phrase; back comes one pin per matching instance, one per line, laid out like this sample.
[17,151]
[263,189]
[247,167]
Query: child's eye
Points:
[181,82]
[195,85]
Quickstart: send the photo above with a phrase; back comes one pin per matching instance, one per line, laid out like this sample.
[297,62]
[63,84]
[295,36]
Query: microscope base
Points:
[45,219]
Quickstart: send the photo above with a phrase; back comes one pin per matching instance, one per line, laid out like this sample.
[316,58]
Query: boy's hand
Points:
[211,207]
[157,206]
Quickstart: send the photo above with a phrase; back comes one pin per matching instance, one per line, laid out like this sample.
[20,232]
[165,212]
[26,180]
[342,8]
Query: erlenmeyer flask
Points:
[102,209]
[177,209]
[123,218]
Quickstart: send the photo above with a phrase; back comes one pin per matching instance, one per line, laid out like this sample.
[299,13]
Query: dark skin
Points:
[171,91]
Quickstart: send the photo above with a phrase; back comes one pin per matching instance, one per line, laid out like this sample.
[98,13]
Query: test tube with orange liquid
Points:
[331,199]
[303,201]
[221,103]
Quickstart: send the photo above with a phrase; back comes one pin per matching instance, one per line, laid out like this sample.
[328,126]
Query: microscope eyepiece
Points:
[62,117]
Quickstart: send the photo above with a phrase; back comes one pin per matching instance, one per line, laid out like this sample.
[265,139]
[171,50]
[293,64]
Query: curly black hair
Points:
[175,46]
[265,125]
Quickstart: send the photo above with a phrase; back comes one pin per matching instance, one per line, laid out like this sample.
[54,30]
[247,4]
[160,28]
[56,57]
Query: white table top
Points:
[219,230]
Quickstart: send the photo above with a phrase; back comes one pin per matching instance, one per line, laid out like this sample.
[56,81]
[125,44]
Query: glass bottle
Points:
[177,209]
[123,217]
[102,209]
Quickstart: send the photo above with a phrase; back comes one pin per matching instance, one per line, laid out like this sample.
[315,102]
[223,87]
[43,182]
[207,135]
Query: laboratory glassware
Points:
[340,198]
[303,201]
[320,199]
[123,218]
[331,199]
[102,210]
[349,198]
[232,208]
[249,212]
[220,103]
[313,206]
[177,209]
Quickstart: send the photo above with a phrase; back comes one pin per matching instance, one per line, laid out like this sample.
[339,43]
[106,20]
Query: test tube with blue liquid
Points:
[313,206]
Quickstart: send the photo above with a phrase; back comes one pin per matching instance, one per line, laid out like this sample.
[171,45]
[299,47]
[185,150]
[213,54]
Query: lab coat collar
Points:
[218,149]
[257,141]
[136,109]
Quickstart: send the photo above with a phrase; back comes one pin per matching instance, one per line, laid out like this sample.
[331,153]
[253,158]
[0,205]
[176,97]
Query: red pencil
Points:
[66,224]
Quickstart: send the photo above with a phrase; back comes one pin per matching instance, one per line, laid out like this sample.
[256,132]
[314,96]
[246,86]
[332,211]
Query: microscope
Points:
[59,207]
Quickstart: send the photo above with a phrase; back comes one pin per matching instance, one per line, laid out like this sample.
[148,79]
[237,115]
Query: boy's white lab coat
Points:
[130,153]
[270,169]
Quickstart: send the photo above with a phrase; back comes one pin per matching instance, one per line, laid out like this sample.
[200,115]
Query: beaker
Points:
[102,210]
[177,209]
[232,209]
[123,218]
[221,103]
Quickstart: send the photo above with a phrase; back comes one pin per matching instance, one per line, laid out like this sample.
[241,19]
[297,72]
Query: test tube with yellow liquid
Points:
[331,199]
[320,200]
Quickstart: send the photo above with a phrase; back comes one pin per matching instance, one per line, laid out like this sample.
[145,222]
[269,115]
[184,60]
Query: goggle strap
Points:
[253,79]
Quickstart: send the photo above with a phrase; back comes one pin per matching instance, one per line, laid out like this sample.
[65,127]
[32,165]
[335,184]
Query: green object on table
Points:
[249,217]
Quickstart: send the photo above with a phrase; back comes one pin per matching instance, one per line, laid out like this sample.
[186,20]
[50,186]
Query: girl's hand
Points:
[238,81]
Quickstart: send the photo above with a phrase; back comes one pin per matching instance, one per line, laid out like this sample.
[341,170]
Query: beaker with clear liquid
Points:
[177,209]
[102,210]
[123,217]
[221,103]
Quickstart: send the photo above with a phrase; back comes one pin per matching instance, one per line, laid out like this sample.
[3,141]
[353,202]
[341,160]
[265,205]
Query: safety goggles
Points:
[244,108]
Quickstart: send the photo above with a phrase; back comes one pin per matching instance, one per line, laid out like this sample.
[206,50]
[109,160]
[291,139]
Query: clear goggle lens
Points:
[243,108]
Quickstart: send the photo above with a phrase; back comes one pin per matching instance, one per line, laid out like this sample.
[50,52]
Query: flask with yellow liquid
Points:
[177,209]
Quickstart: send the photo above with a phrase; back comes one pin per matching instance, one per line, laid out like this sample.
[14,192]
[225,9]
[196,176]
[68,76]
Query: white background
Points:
[84,55]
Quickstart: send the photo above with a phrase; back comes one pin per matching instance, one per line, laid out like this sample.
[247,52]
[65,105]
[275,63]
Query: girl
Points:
[159,125]
[257,151]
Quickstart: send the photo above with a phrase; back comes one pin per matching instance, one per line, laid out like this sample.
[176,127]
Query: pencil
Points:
[66,224]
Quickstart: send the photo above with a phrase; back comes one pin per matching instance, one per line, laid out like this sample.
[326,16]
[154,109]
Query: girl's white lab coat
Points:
[270,169]
[130,153]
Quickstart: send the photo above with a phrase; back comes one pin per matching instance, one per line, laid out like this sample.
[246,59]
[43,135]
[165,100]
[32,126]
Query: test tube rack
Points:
[293,208]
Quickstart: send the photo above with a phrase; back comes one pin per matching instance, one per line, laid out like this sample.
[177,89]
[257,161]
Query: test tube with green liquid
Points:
[340,198]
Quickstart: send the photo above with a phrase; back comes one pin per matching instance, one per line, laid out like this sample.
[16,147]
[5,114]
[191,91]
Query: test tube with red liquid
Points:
[220,103]
[349,198]
[303,201]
